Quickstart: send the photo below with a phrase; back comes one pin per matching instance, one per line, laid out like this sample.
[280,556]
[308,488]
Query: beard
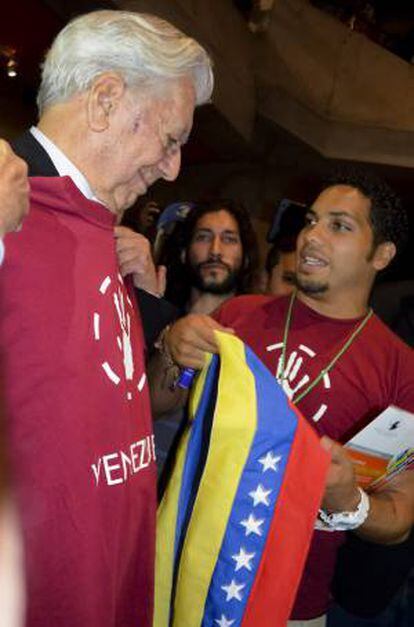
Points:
[212,284]
[309,287]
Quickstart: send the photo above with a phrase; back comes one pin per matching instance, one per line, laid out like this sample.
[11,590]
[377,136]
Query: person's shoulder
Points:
[242,306]
[30,150]
[398,357]
[388,335]
[249,301]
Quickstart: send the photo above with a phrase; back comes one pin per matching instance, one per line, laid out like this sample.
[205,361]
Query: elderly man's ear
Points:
[104,98]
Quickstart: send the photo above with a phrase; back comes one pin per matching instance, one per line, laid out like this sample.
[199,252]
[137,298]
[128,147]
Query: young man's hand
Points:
[190,338]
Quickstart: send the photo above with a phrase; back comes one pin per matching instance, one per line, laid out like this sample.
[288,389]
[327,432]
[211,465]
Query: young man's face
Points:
[215,254]
[335,251]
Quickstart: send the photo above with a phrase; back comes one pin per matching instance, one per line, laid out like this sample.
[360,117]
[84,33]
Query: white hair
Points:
[143,49]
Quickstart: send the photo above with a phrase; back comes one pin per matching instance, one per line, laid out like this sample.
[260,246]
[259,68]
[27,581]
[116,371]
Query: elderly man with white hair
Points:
[116,104]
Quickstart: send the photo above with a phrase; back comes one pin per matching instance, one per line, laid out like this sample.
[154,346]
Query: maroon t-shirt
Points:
[78,415]
[376,371]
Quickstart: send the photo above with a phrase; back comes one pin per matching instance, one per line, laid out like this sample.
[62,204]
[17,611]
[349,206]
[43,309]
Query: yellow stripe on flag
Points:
[234,426]
[167,518]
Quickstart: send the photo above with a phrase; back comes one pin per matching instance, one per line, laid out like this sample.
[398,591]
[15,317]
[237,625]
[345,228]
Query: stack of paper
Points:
[384,448]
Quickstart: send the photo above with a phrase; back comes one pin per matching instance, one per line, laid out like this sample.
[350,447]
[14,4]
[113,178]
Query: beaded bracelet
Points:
[170,366]
[161,346]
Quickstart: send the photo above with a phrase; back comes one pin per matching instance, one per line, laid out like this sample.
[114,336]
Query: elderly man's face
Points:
[145,139]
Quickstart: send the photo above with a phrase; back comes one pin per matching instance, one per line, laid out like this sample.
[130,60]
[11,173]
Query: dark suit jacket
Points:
[36,157]
[156,313]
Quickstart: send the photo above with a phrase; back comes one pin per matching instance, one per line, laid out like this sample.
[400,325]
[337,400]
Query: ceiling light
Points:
[12,67]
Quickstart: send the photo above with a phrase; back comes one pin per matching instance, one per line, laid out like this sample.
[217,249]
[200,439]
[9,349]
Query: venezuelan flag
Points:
[237,517]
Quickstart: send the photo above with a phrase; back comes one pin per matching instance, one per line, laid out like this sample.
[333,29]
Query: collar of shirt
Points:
[63,165]
[2,251]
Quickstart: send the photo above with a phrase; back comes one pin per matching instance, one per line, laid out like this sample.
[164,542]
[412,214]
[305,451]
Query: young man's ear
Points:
[103,99]
[384,254]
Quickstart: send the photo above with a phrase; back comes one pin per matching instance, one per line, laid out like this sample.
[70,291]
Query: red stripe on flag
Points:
[279,574]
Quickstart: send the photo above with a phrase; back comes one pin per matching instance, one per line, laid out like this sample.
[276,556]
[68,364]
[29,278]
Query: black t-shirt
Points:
[368,575]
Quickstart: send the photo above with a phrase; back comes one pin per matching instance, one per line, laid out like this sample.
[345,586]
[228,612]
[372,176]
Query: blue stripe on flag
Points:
[254,503]
[193,455]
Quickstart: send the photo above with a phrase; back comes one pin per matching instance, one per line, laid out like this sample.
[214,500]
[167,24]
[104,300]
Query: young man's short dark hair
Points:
[388,217]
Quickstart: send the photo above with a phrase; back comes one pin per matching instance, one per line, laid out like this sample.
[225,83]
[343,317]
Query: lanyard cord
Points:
[333,361]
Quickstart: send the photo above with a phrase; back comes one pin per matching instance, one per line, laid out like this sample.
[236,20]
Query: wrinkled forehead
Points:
[175,100]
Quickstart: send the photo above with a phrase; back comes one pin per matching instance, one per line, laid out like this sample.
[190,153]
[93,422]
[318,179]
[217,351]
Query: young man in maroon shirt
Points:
[335,359]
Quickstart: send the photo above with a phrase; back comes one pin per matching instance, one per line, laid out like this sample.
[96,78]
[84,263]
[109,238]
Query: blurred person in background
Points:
[142,218]
[281,268]
[287,222]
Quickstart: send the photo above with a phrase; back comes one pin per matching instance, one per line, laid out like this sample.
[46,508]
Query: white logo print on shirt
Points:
[295,379]
[123,308]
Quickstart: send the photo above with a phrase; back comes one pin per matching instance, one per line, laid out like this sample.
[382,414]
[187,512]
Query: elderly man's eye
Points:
[173,145]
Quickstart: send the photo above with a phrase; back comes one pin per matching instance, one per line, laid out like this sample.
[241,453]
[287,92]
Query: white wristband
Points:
[344,521]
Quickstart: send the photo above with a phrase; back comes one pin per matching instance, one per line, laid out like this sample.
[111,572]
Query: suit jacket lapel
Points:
[36,157]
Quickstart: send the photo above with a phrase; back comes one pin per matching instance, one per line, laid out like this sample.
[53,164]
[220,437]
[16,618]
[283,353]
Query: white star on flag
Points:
[252,525]
[224,621]
[260,495]
[233,590]
[270,461]
[243,559]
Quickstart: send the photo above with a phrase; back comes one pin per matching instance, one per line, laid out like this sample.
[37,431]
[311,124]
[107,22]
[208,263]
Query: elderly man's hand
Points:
[134,257]
[341,491]
[191,337]
[14,189]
